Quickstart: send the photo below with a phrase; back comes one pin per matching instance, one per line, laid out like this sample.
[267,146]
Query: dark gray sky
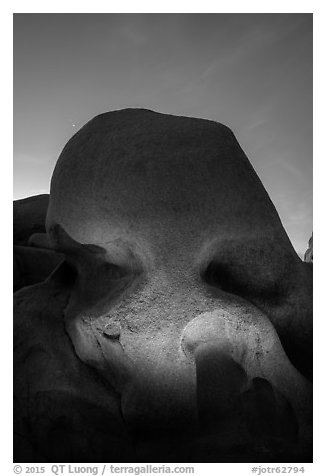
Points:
[252,72]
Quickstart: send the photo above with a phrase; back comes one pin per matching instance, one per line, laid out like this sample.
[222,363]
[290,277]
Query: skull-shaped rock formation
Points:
[179,327]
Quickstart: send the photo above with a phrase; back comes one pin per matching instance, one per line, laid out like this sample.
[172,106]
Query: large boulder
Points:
[29,217]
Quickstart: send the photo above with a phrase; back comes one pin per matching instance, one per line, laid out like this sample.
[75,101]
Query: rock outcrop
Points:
[308,256]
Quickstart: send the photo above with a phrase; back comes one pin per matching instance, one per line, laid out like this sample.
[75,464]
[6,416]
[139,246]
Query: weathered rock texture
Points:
[179,327]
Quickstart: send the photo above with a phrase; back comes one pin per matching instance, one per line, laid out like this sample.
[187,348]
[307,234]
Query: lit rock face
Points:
[179,327]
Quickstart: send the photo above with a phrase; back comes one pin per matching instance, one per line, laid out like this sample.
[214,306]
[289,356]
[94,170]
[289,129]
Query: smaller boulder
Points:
[29,217]
[33,265]
[39,240]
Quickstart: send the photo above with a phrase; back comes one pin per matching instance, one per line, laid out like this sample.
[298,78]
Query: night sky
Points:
[252,72]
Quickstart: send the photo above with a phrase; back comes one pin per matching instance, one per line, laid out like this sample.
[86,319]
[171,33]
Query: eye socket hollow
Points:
[65,274]
[256,286]
[114,272]
[219,275]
